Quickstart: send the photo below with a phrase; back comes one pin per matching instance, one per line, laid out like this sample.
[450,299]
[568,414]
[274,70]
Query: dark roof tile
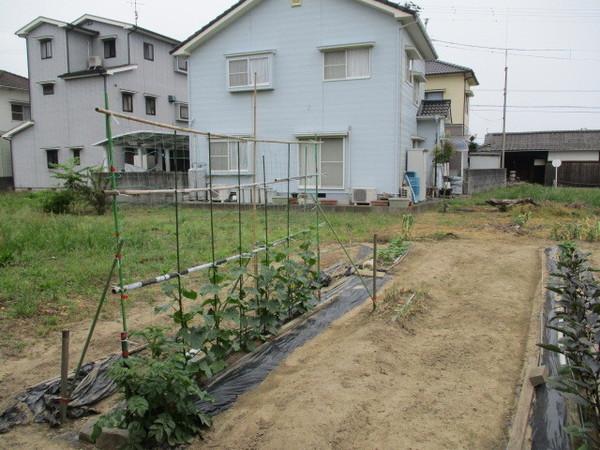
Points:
[437,67]
[14,81]
[574,140]
[435,108]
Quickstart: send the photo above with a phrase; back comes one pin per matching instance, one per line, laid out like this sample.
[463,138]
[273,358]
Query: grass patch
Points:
[55,265]
[586,197]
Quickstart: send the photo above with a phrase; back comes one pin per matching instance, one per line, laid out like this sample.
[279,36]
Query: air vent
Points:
[296,3]
[172,99]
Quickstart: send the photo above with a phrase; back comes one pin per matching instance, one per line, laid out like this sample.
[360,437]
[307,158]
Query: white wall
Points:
[574,156]
[484,162]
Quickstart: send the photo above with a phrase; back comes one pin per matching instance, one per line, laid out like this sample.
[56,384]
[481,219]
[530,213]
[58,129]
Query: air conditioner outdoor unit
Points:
[363,195]
[94,62]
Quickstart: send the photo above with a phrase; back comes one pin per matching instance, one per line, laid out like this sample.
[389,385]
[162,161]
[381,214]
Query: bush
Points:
[160,392]
[58,202]
[577,318]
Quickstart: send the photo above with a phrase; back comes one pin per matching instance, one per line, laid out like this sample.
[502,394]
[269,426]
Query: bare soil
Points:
[446,380]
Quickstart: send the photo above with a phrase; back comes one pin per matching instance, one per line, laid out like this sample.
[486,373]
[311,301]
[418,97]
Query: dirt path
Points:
[446,381]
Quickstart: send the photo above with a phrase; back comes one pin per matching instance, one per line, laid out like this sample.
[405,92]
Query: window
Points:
[150,105]
[110,48]
[224,156]
[130,154]
[48,88]
[181,64]
[347,64]
[46,48]
[416,92]
[52,158]
[330,160]
[179,160]
[20,111]
[183,112]
[241,71]
[434,95]
[408,68]
[76,153]
[148,51]
[127,100]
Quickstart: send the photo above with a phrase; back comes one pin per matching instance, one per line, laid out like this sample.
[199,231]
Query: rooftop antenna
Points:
[134,4]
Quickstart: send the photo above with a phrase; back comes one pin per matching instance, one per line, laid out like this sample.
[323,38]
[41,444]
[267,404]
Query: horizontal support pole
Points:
[154,123]
[204,189]
[170,276]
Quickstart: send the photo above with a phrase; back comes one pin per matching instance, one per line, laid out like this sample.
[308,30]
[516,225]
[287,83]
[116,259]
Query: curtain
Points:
[335,65]
[359,62]
[238,72]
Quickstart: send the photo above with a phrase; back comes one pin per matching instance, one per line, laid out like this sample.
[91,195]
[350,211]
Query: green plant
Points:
[408,221]
[58,202]
[442,153]
[521,219]
[86,184]
[396,248]
[160,392]
[577,318]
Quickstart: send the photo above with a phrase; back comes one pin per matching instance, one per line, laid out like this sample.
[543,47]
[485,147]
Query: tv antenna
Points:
[134,4]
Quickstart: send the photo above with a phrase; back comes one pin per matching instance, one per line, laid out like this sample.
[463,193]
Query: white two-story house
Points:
[347,72]
[71,67]
[14,110]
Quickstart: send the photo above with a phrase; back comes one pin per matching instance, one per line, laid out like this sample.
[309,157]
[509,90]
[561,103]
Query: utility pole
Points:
[502,161]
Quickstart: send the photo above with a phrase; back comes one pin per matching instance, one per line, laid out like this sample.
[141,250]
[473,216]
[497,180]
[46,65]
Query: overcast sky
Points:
[554,76]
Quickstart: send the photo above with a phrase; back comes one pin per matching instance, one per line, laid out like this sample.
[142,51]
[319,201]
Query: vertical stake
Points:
[374,296]
[317,218]
[212,230]
[266,211]
[241,279]
[117,226]
[64,375]
[289,151]
[179,295]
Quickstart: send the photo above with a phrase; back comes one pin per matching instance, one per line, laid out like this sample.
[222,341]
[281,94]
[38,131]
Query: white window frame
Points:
[345,50]
[310,185]
[187,65]
[233,170]
[178,106]
[408,67]
[249,57]
[46,48]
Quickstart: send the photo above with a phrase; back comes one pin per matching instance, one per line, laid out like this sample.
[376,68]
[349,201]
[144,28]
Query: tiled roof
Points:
[575,140]
[435,108]
[14,81]
[437,67]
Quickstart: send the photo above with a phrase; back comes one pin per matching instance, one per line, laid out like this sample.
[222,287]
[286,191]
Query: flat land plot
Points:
[447,379]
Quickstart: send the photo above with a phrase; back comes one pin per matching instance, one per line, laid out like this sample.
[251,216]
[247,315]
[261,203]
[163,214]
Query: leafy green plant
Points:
[58,202]
[160,392]
[86,184]
[588,230]
[578,320]
[408,221]
[396,248]
[442,153]
[521,219]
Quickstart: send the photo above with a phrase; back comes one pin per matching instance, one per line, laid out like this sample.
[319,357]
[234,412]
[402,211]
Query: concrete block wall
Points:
[480,180]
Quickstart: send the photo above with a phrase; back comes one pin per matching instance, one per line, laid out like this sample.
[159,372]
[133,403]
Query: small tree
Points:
[442,153]
[85,184]
[473,146]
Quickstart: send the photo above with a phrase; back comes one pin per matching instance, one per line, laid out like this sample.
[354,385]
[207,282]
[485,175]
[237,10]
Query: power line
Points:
[538,106]
[586,91]
[510,49]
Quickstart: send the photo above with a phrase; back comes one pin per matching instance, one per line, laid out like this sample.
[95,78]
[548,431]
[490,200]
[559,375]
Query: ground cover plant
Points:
[160,389]
[578,319]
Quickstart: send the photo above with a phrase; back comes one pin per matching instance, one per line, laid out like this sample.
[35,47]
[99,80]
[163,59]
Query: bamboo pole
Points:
[241,277]
[117,227]
[168,126]
[98,309]
[192,190]
[374,294]
[317,180]
[201,267]
[177,244]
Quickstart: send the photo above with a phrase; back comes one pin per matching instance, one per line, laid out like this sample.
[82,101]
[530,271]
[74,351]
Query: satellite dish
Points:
[556,163]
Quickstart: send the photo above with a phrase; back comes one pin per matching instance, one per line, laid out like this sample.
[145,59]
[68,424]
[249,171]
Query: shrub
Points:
[396,248]
[84,184]
[578,319]
[160,392]
[58,202]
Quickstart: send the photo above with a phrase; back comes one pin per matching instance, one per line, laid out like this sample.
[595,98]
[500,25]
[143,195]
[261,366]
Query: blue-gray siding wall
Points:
[67,119]
[378,114]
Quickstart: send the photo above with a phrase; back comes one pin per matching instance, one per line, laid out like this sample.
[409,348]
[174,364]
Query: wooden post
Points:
[64,375]
[374,294]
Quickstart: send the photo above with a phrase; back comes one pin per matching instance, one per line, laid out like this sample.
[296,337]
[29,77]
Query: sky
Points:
[553,61]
